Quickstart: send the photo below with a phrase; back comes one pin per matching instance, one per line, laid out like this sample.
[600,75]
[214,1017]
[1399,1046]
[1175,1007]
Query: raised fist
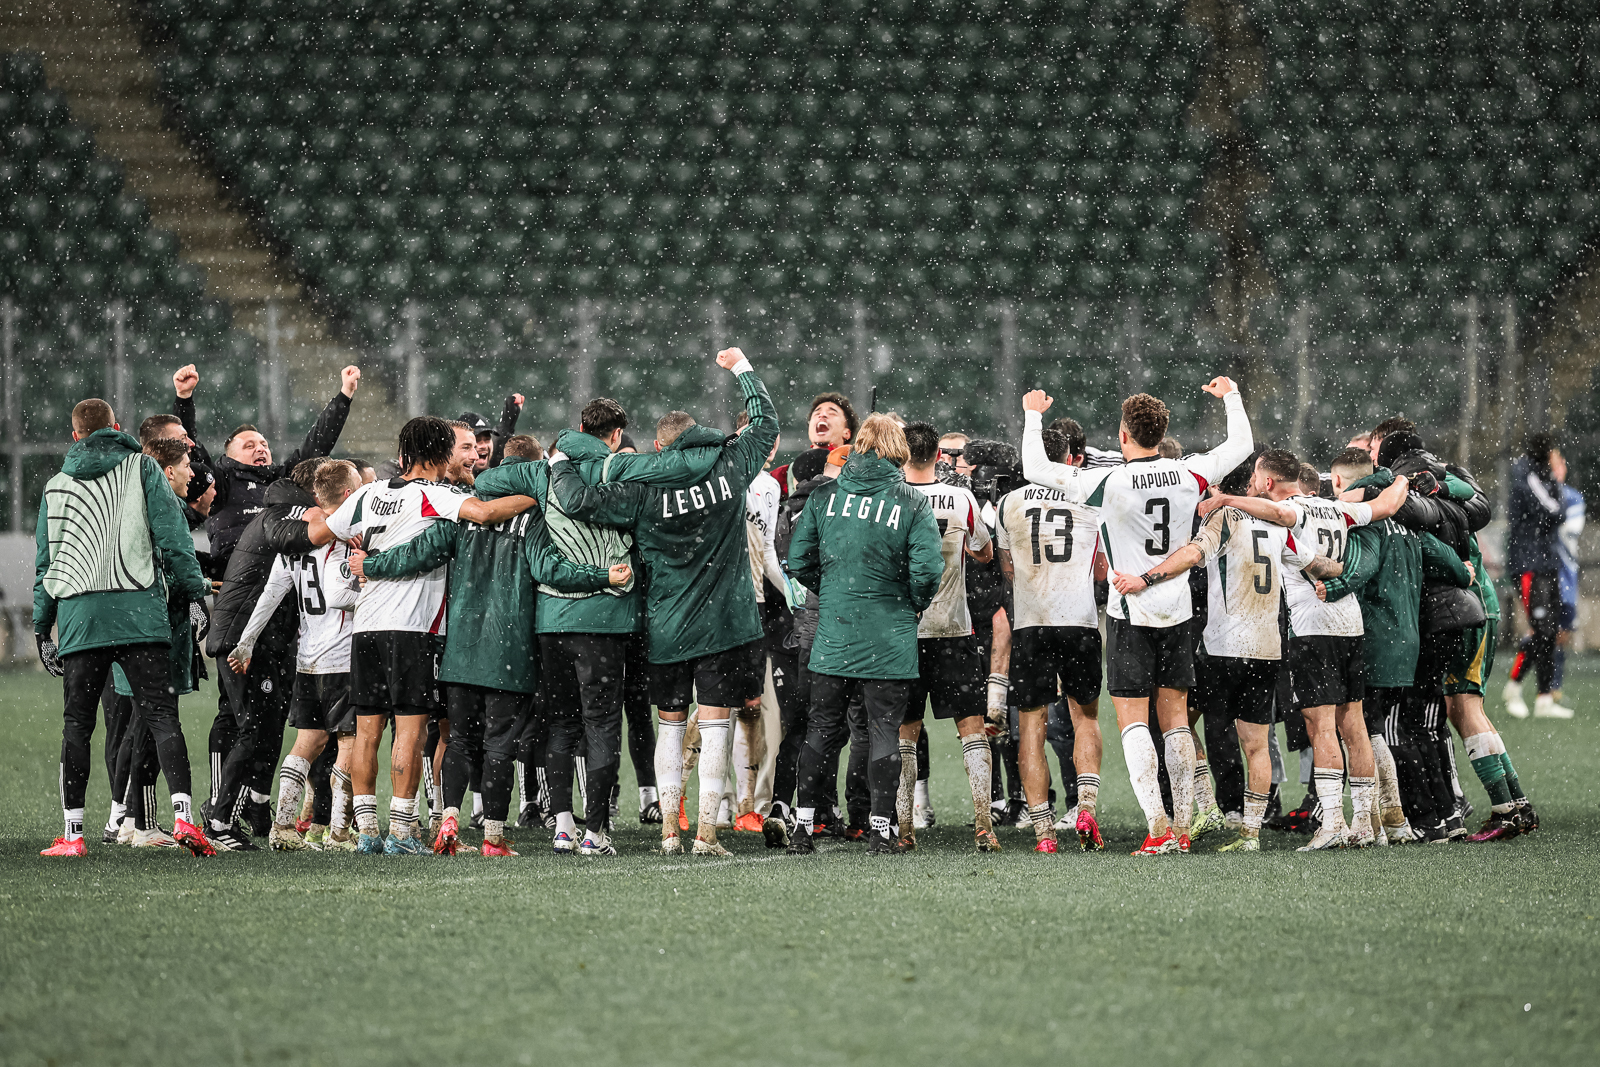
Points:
[519,399]
[1220,386]
[349,379]
[184,380]
[729,358]
[1037,401]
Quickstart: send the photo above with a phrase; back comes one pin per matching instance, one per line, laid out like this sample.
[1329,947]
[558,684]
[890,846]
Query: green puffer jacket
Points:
[869,546]
[1385,566]
[698,596]
[110,536]
[489,632]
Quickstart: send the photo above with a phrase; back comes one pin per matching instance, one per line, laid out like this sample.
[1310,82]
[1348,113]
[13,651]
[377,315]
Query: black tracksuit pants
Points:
[484,725]
[636,708]
[582,677]
[155,706]
[249,735]
[884,702]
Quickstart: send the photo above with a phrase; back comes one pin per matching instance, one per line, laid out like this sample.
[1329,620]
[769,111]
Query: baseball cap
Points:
[479,424]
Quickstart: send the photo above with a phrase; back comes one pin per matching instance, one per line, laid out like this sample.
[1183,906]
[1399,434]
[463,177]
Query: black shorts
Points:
[1326,670]
[1042,656]
[322,702]
[952,674]
[1231,687]
[723,679]
[1142,658]
[395,672]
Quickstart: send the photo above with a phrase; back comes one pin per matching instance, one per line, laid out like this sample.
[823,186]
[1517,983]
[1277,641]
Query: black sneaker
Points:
[232,840]
[879,845]
[775,831]
[1463,808]
[1274,804]
[477,821]
[651,815]
[1455,829]
[258,817]
[1298,821]
[1433,835]
[800,844]
[108,836]
[1528,817]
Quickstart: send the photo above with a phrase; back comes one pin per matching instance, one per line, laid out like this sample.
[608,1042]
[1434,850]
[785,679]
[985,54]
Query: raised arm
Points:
[491,512]
[1036,466]
[1215,464]
[1386,503]
[325,431]
[755,444]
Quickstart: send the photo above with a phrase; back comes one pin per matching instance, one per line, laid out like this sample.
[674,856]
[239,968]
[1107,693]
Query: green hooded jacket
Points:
[489,633]
[110,537]
[608,611]
[870,548]
[1460,490]
[698,596]
[1385,566]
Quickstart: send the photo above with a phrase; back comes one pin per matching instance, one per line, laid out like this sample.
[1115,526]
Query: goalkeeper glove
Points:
[49,656]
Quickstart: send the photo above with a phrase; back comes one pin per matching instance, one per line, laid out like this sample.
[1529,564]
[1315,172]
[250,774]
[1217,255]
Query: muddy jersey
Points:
[391,513]
[955,509]
[1324,525]
[1248,562]
[1052,540]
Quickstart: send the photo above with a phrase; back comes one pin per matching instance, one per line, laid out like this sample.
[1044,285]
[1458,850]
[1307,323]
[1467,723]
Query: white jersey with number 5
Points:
[392,513]
[1052,542]
[1147,509]
[1324,526]
[1249,561]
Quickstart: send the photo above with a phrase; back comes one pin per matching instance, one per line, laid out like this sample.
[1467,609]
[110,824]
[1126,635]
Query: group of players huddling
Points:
[503,613]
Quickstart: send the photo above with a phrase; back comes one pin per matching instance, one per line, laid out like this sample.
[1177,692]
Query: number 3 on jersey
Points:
[1054,553]
[1162,526]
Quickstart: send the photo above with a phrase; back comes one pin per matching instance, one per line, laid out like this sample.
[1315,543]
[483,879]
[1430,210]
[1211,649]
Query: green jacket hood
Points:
[579,445]
[98,453]
[512,461]
[1380,478]
[698,436]
[868,472]
[694,454]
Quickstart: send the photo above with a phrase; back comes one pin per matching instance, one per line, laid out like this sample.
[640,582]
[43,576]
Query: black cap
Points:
[626,442]
[478,423]
[808,464]
[201,480]
[1395,445]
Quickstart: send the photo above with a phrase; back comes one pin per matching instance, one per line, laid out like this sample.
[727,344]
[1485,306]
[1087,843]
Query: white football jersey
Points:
[1324,526]
[761,530]
[1147,509]
[325,594]
[960,524]
[1052,542]
[392,513]
[1249,560]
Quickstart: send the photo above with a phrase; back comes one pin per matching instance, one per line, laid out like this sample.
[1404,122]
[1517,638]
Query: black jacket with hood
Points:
[278,528]
[242,487]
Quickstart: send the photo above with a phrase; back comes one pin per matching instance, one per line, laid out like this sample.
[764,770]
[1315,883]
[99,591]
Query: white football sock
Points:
[647,796]
[999,692]
[905,796]
[1388,777]
[477,804]
[291,784]
[1330,795]
[367,814]
[182,808]
[1363,794]
[1144,770]
[920,796]
[73,818]
[1180,772]
[980,775]
[260,798]
[713,765]
[1255,810]
[494,828]
[1089,790]
[806,817]
[402,816]
[1205,796]
[566,824]
[339,821]
[119,810]
[669,772]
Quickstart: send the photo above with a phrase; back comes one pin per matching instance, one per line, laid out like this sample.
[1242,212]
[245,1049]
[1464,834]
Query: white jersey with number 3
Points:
[1147,509]
[1052,542]
[392,513]
[960,525]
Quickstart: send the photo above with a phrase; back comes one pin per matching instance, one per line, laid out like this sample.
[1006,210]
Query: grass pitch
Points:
[1465,954]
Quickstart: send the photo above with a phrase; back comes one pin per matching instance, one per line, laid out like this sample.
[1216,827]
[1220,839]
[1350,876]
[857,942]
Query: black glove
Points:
[49,656]
[1425,483]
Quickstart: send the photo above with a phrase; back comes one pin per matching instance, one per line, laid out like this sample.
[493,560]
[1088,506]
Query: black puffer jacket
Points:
[804,630]
[241,488]
[278,528]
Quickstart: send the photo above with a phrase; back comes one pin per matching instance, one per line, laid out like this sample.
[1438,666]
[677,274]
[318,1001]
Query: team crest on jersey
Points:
[266,685]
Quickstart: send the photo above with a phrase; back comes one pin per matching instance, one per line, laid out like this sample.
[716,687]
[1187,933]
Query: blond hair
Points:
[883,435]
